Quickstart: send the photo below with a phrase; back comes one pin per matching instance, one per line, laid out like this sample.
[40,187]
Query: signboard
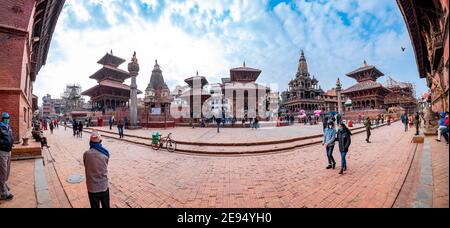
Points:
[156,111]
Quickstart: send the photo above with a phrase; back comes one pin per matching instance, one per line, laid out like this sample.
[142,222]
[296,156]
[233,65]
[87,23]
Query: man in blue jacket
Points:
[6,144]
[329,138]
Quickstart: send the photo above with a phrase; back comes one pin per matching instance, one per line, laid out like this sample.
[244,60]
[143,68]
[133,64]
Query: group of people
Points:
[77,127]
[408,121]
[343,136]
[38,134]
[203,122]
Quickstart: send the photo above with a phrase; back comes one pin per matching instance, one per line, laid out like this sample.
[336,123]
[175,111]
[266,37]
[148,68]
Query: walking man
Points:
[329,138]
[404,118]
[120,128]
[111,121]
[218,121]
[96,169]
[344,137]
[75,127]
[51,127]
[6,144]
[368,125]
[417,122]
[80,129]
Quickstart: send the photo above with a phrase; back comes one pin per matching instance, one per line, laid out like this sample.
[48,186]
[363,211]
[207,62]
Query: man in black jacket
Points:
[6,144]
[344,138]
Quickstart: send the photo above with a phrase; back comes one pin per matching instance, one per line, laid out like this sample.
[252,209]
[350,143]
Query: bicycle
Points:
[169,143]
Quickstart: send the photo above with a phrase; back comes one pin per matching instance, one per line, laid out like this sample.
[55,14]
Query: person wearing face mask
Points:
[96,169]
[6,144]
[344,138]
[329,138]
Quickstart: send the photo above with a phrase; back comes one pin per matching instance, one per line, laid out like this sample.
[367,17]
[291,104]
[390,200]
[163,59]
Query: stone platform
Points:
[31,151]
[230,141]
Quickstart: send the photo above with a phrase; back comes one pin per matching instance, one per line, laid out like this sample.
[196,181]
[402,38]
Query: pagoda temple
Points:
[246,95]
[367,95]
[196,95]
[304,91]
[111,92]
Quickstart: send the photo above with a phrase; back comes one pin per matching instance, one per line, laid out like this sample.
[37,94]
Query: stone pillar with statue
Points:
[133,68]
[339,98]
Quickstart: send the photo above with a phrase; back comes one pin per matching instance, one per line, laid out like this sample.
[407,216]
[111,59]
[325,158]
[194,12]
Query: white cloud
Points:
[80,11]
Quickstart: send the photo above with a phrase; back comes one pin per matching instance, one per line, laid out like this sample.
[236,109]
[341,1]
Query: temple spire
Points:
[302,66]
[244,64]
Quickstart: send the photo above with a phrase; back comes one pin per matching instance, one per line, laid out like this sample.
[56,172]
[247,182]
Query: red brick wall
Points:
[16,13]
[442,103]
[15,85]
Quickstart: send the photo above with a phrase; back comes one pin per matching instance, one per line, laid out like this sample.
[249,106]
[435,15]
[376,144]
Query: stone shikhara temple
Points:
[157,101]
[304,91]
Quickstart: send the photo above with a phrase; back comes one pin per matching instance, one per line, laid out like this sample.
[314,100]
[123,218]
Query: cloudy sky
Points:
[214,36]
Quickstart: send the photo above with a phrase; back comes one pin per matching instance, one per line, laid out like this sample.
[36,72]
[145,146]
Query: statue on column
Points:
[338,94]
[133,68]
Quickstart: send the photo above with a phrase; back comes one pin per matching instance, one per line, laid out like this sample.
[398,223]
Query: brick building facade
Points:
[428,26]
[26,29]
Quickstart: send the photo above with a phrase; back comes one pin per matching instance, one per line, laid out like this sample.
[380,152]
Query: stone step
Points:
[231,150]
[231,144]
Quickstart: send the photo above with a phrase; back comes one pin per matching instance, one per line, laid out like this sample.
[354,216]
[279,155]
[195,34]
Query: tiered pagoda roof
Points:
[111,60]
[244,74]
[366,76]
[365,85]
[109,75]
[202,79]
[366,72]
